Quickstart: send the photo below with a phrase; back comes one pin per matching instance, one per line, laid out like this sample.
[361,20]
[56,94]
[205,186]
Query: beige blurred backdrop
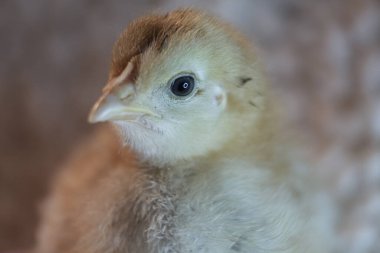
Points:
[323,58]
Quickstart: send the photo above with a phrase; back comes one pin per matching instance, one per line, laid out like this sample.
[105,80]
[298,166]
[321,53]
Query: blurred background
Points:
[323,58]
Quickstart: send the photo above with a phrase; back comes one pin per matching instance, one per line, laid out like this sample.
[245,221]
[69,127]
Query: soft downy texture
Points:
[217,177]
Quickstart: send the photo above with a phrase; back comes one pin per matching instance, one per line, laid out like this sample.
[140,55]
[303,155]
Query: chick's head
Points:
[181,85]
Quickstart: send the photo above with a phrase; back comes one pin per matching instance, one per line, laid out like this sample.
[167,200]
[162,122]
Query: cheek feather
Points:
[151,126]
[141,125]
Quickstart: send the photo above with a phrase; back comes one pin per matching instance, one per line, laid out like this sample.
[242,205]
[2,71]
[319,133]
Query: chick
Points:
[196,163]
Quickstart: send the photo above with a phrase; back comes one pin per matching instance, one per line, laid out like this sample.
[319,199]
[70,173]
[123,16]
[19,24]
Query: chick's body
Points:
[197,165]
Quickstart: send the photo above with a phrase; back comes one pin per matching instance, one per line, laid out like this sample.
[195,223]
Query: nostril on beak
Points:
[125,92]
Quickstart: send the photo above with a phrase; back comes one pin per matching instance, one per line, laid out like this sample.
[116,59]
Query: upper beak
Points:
[110,107]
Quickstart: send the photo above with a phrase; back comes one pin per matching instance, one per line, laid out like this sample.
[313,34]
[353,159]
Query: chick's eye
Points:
[182,86]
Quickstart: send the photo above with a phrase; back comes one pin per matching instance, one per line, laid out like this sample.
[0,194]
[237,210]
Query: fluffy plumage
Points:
[203,173]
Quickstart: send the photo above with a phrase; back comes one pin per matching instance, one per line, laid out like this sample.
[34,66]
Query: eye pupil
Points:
[182,86]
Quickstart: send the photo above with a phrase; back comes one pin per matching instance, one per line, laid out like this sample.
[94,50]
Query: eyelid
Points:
[185,73]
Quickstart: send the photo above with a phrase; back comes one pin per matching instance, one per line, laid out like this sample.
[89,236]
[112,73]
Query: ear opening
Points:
[220,97]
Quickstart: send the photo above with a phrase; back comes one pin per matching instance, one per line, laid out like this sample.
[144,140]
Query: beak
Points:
[110,107]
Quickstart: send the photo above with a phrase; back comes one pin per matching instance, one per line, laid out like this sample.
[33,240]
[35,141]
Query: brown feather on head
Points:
[149,32]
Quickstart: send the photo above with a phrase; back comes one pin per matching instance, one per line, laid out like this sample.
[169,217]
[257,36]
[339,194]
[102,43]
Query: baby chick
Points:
[196,165]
